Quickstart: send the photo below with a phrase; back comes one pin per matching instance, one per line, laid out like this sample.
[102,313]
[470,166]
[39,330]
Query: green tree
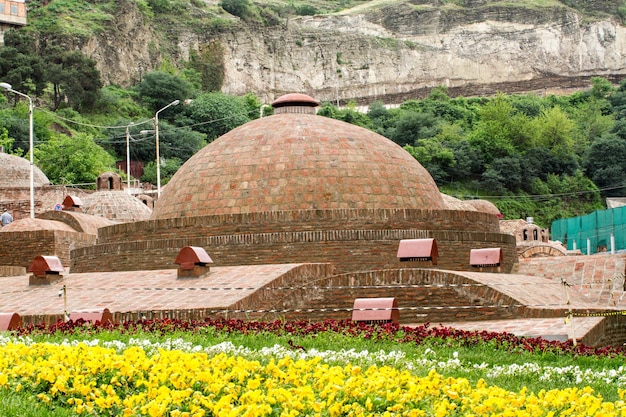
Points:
[503,174]
[158,89]
[215,114]
[530,105]
[16,121]
[349,114]
[605,164]
[436,158]
[240,8]
[469,162]
[539,162]
[6,143]
[167,170]
[72,160]
[601,88]
[554,130]
[412,126]
[20,66]
[501,131]
[74,77]
[174,142]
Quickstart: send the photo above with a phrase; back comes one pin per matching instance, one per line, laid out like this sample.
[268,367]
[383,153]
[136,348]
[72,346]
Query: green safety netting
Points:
[594,232]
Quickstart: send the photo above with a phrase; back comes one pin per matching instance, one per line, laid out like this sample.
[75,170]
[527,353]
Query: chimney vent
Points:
[194,262]
[10,321]
[72,203]
[46,270]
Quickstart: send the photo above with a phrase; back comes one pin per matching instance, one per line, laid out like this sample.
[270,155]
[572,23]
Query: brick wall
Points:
[17,200]
[305,220]
[12,271]
[588,271]
[610,332]
[350,239]
[348,250]
[20,248]
[423,296]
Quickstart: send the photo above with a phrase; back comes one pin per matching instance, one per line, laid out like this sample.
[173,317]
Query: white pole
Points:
[612,243]
[156,134]
[574,246]
[32,162]
[128,158]
[158,162]
[588,246]
[8,87]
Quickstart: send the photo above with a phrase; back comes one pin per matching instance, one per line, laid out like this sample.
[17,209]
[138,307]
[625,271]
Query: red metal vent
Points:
[486,257]
[70,202]
[418,250]
[190,256]
[45,265]
[376,309]
[10,321]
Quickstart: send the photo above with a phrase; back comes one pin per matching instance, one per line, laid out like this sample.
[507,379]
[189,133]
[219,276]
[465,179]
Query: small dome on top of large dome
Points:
[15,172]
[295,160]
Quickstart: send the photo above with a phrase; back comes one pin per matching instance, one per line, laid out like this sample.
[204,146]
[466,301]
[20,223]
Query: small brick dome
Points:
[15,172]
[484,206]
[295,160]
[28,225]
[115,205]
[453,203]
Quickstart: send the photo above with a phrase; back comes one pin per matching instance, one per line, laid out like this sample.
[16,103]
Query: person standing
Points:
[6,218]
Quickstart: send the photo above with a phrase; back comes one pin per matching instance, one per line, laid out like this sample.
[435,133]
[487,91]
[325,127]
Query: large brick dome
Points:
[296,160]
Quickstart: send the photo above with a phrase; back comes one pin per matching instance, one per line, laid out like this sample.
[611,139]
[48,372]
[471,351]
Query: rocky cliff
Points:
[387,49]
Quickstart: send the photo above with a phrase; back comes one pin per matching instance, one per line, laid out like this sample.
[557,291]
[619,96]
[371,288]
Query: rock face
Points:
[393,50]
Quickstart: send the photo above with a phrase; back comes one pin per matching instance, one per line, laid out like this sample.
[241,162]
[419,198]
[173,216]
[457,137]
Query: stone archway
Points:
[539,251]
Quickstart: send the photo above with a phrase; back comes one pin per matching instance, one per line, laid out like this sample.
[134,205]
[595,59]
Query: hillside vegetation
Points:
[542,156]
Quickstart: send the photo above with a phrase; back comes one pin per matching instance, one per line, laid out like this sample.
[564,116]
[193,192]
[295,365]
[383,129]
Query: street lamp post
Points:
[156,134]
[128,157]
[8,87]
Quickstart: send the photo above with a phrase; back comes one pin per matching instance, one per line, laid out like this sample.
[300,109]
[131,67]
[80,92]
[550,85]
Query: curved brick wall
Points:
[80,222]
[301,220]
[350,239]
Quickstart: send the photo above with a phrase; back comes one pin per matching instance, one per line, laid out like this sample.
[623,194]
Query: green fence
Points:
[592,233]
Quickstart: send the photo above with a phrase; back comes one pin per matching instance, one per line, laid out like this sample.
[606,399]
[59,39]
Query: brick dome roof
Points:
[484,206]
[453,203]
[15,172]
[28,224]
[297,161]
[115,205]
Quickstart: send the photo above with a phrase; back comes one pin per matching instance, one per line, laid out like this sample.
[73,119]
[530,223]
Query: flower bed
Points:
[173,377]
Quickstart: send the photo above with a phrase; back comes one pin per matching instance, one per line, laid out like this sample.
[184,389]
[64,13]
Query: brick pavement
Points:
[137,291]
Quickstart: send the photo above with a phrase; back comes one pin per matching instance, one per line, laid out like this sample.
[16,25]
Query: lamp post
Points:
[156,134]
[128,156]
[8,87]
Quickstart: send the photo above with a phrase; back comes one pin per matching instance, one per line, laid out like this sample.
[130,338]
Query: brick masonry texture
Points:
[17,199]
[15,172]
[350,239]
[599,277]
[297,162]
[25,245]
